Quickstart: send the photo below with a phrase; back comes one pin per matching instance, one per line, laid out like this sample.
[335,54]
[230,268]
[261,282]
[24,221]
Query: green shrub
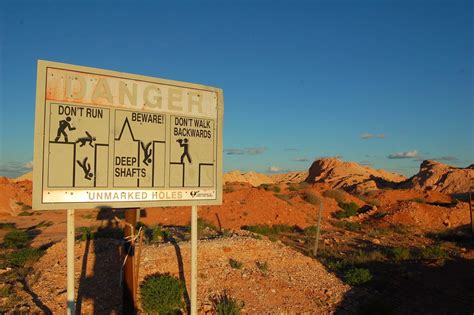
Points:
[26,207]
[303,185]
[311,230]
[348,210]
[16,239]
[351,226]
[235,264]
[85,233]
[293,187]
[433,252]
[357,276]
[418,200]
[157,234]
[380,215]
[262,265]
[162,294]
[311,198]
[267,230]
[229,188]
[276,188]
[400,253]
[283,197]
[25,214]
[335,194]
[226,305]
[7,226]
[24,256]
[19,203]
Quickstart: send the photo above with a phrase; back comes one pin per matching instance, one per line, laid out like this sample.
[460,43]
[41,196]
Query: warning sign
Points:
[104,138]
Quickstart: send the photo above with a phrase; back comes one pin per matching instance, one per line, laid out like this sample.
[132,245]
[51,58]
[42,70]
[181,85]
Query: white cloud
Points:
[245,151]
[300,159]
[274,169]
[14,169]
[367,136]
[404,155]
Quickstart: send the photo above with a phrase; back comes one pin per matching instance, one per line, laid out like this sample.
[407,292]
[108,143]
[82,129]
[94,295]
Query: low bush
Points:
[85,233]
[267,230]
[311,198]
[312,230]
[24,256]
[228,188]
[16,239]
[162,294]
[433,252]
[348,210]
[283,197]
[357,276]
[399,253]
[380,215]
[224,304]
[26,207]
[262,265]
[418,200]
[351,226]
[25,214]
[335,194]
[235,264]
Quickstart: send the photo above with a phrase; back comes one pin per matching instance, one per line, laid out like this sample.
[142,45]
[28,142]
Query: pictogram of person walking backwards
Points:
[184,143]
[63,124]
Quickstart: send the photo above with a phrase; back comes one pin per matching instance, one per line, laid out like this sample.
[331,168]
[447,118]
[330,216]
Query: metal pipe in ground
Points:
[70,262]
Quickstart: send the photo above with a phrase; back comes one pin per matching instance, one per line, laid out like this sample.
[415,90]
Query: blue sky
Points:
[385,83]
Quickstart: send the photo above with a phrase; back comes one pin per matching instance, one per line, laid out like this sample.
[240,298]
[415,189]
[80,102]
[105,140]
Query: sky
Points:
[382,83]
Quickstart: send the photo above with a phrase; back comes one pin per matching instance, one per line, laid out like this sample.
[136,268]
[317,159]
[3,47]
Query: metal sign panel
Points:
[105,138]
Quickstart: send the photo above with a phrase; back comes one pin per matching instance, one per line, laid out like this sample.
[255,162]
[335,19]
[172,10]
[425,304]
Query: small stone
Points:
[376,241]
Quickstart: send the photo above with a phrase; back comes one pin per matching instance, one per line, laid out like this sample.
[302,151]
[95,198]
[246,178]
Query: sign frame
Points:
[40,134]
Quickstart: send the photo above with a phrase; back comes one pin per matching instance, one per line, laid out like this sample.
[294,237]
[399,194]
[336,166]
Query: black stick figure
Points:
[84,140]
[63,124]
[86,167]
[184,143]
[147,152]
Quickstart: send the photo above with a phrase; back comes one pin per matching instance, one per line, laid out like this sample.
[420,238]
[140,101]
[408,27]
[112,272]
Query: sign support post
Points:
[194,236]
[129,287]
[70,262]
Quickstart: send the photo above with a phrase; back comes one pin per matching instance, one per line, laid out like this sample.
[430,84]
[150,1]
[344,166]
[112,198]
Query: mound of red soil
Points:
[14,196]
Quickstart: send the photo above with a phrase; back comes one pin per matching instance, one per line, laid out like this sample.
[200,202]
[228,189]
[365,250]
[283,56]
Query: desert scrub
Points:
[418,200]
[351,226]
[224,304]
[162,294]
[335,194]
[228,188]
[380,215]
[262,266]
[311,198]
[348,210]
[267,230]
[357,276]
[23,256]
[399,253]
[25,214]
[433,252]
[235,264]
[283,197]
[312,230]
[16,239]
[85,233]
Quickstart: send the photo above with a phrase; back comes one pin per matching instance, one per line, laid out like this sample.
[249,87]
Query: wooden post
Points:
[194,233]
[129,285]
[318,228]
[70,262]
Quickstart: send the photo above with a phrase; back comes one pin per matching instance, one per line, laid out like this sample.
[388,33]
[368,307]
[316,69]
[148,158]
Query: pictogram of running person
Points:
[147,152]
[63,125]
[84,140]
[86,167]
[184,143]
